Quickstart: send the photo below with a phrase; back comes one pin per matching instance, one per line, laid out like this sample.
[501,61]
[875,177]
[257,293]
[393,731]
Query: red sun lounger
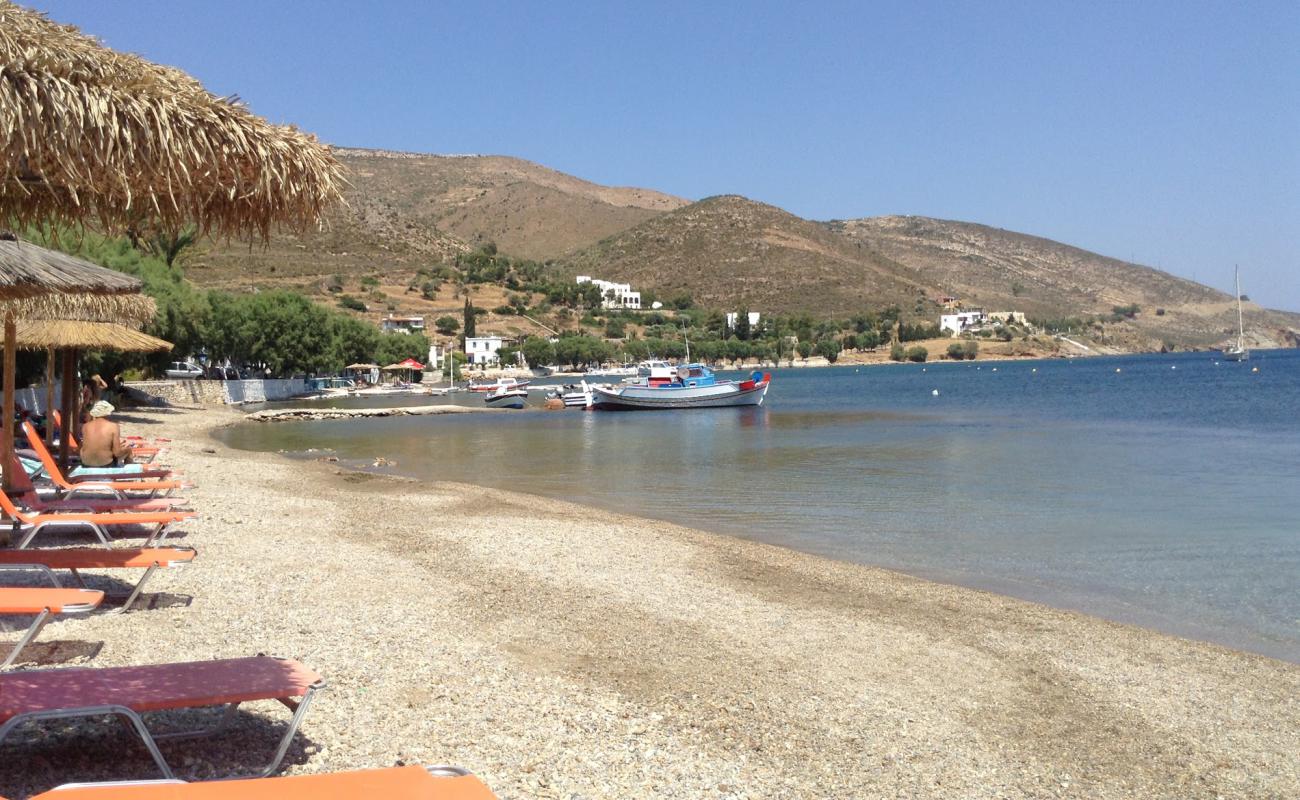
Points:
[117,488]
[44,695]
[44,603]
[160,520]
[149,559]
[394,783]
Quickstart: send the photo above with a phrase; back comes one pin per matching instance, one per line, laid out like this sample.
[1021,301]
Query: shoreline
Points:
[559,650]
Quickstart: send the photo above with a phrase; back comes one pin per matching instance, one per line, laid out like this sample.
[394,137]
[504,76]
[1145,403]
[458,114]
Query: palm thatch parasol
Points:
[73,290]
[52,334]
[90,135]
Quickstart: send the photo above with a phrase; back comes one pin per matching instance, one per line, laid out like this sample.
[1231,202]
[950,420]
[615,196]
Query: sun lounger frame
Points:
[43,618]
[135,721]
[136,590]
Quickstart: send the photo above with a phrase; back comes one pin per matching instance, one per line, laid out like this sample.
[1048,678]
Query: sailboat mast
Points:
[1241,330]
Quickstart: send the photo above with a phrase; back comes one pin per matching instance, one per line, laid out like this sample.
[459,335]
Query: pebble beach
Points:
[560,651]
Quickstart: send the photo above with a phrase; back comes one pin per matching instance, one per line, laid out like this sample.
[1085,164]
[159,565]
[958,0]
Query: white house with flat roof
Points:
[614,295]
[734,316]
[482,350]
[393,324]
[959,322]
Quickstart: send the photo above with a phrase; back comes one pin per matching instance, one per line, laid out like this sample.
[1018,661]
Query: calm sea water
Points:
[1166,493]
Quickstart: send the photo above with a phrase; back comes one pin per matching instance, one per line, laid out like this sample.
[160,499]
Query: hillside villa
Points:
[732,316]
[614,295]
[394,324]
[960,322]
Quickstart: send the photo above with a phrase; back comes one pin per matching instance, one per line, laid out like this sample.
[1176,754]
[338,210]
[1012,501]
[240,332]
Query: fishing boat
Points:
[1238,351]
[691,386]
[500,383]
[504,397]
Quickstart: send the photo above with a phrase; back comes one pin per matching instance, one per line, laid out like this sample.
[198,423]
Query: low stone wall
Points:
[183,392]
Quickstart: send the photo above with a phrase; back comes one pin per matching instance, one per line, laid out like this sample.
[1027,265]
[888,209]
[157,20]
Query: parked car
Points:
[223,373]
[185,370]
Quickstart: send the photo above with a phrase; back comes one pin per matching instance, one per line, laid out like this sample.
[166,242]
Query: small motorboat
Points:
[573,395]
[692,386]
[501,383]
[506,398]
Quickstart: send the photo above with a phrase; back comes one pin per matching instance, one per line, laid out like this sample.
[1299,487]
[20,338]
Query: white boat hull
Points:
[643,397]
[517,398]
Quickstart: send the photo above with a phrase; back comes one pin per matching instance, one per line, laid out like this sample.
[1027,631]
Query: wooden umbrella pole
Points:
[49,396]
[11,356]
[69,397]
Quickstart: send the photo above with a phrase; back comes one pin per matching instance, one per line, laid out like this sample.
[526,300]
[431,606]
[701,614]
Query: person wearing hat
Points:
[101,439]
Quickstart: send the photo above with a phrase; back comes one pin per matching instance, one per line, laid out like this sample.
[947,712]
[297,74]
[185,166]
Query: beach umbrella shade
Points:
[91,135]
[41,284]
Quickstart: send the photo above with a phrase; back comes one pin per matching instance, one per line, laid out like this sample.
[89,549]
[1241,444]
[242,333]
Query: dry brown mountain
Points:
[1000,269]
[406,210]
[731,251]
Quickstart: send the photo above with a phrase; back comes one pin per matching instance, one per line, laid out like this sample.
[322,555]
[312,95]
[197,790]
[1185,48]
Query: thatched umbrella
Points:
[92,136]
[75,291]
[88,134]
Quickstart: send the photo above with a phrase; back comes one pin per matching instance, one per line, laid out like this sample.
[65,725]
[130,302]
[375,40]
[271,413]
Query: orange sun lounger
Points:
[39,521]
[394,783]
[128,693]
[22,487]
[149,559]
[118,488]
[136,443]
[44,603]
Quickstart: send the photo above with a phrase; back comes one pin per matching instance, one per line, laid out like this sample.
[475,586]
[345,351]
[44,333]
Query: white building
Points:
[959,322]
[732,316]
[614,295]
[482,350]
[436,354]
[392,324]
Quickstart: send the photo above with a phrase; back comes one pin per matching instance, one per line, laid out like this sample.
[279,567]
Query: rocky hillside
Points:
[405,211]
[409,212]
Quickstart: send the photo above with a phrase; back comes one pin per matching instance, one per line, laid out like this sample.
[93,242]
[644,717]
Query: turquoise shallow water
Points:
[1166,494]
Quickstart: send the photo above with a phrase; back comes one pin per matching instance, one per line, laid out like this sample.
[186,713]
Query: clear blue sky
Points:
[1163,132]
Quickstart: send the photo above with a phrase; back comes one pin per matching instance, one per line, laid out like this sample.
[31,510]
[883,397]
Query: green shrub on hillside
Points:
[917,353]
[352,303]
[896,352]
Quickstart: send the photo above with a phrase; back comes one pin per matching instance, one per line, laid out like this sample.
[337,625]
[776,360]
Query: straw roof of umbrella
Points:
[42,334]
[37,283]
[90,135]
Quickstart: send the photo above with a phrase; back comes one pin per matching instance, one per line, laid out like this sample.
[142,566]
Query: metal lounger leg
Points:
[35,628]
[292,730]
[121,712]
[139,586]
[38,527]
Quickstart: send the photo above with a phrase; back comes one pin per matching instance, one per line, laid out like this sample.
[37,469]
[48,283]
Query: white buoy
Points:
[923,369]
[934,392]
[1174,366]
[1117,369]
[1254,369]
[995,369]
[1035,369]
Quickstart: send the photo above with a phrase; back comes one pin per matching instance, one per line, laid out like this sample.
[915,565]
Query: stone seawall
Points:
[190,393]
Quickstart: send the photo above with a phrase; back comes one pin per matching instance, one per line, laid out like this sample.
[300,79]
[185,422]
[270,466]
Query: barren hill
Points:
[407,210]
[732,251]
[1001,269]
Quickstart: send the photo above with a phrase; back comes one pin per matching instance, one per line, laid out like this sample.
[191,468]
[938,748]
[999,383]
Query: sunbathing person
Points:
[101,439]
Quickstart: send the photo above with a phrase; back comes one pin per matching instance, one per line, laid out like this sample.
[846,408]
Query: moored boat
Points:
[506,398]
[500,383]
[693,386]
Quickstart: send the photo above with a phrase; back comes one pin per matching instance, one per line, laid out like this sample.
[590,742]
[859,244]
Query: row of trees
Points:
[278,330]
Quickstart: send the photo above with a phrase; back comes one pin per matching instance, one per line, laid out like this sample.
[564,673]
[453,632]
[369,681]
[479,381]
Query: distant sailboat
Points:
[1237,352]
